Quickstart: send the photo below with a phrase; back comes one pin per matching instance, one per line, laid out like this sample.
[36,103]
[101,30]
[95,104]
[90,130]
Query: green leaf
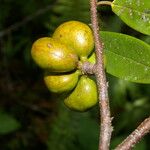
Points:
[135,13]
[146,39]
[7,123]
[127,58]
[88,124]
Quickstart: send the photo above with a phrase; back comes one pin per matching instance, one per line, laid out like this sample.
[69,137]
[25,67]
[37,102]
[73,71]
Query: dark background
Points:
[33,118]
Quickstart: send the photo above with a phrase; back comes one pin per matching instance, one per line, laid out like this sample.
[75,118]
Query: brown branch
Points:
[25,20]
[135,136]
[86,67]
[106,129]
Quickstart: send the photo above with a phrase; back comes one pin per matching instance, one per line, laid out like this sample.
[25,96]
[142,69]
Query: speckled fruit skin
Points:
[54,56]
[61,83]
[76,35]
[84,95]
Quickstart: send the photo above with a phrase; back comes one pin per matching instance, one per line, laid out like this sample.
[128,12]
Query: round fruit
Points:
[61,83]
[84,95]
[54,56]
[76,35]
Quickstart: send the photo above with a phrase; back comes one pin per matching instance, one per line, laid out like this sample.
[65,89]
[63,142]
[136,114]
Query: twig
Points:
[135,136]
[25,20]
[86,67]
[106,129]
[104,3]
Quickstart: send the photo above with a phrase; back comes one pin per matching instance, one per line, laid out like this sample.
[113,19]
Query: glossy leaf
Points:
[135,13]
[7,123]
[127,57]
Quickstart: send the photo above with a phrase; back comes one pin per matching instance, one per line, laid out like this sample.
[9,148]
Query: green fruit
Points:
[54,56]
[92,59]
[76,35]
[84,95]
[61,83]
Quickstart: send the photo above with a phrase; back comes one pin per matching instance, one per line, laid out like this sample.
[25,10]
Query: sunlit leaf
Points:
[135,13]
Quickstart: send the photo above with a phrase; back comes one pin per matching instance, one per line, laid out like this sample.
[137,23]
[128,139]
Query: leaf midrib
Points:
[131,60]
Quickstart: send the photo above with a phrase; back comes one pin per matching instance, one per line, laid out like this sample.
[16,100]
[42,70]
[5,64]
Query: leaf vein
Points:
[139,63]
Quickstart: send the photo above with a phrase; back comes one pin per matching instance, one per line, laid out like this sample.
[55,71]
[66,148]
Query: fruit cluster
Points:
[59,56]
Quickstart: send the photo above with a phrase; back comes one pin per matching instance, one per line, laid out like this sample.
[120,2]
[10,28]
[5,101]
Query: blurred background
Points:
[33,118]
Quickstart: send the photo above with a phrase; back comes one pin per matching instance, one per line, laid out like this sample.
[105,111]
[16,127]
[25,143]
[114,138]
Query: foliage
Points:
[69,131]
[40,122]
[69,10]
[8,123]
[129,55]
[135,13]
